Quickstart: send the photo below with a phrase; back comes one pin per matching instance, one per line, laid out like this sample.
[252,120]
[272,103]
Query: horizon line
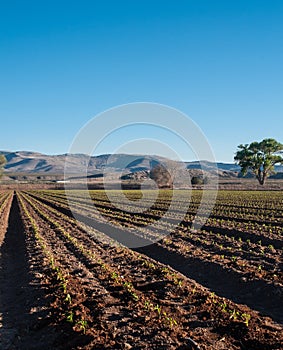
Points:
[107,153]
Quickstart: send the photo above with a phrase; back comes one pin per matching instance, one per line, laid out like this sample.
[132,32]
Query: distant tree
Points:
[199,180]
[260,158]
[2,163]
[161,176]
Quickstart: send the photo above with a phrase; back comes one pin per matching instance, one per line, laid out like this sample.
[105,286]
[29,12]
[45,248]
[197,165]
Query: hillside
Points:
[32,162]
[37,163]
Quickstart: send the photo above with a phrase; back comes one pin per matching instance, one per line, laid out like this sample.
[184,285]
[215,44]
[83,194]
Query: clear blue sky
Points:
[62,62]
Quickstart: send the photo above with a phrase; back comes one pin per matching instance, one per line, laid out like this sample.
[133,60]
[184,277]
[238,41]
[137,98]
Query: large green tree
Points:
[2,163]
[259,157]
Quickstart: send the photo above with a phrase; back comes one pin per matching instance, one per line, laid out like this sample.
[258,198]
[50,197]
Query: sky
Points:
[64,62]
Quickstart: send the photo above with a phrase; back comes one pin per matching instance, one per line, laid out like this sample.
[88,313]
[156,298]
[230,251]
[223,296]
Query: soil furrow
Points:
[22,298]
[258,295]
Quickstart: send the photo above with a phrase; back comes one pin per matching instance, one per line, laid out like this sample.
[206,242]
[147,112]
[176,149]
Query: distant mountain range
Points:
[33,163]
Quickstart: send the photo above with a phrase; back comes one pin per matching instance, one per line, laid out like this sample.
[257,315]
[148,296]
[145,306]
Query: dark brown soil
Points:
[260,295]
[162,308]
[25,321]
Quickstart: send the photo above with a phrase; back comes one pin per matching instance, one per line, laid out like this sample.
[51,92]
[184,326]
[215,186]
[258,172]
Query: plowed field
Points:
[67,283]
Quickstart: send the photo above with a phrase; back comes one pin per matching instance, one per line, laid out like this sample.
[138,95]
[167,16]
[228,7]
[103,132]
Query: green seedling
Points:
[52,263]
[148,305]
[70,317]
[82,325]
[135,296]
[63,285]
[115,276]
[157,308]
[246,318]
[171,322]
[165,270]
[234,314]
[68,299]
[148,264]
[224,307]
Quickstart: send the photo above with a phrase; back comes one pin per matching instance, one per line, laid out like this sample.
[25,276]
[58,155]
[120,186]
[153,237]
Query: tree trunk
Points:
[261,176]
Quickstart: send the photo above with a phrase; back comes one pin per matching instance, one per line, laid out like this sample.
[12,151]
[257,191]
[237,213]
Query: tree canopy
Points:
[260,158]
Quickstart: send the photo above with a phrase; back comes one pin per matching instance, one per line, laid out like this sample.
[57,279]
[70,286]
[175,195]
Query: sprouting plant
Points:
[246,318]
[224,306]
[63,285]
[157,308]
[170,321]
[70,317]
[82,325]
[166,241]
[115,276]
[180,283]
[128,286]
[52,263]
[135,296]
[165,270]
[147,305]
[234,314]
[59,275]
[68,298]
[214,300]
[148,264]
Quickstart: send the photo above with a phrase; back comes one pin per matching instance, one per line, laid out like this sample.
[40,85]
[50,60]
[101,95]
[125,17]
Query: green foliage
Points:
[259,157]
[70,316]
[82,324]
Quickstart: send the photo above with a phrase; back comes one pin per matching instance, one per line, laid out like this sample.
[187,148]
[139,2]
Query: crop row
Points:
[266,207]
[233,253]
[65,289]
[136,276]
[111,275]
[5,204]
[219,218]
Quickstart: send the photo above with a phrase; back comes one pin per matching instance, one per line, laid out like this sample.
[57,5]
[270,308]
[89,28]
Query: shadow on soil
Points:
[258,295]
[28,319]
[14,281]
[25,322]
